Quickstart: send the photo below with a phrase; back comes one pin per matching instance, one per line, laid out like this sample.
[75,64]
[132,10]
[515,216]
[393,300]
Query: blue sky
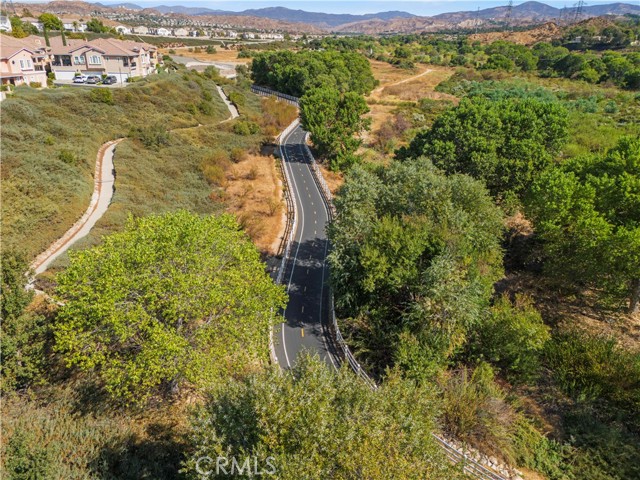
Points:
[358,6]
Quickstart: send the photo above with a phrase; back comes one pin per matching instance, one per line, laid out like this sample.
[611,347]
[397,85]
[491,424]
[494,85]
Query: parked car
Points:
[93,79]
[80,79]
[110,79]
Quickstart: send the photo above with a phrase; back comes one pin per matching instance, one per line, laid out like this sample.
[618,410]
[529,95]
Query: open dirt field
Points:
[220,56]
[254,193]
[398,85]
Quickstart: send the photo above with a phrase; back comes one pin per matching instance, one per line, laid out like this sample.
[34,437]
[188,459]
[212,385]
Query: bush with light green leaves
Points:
[172,300]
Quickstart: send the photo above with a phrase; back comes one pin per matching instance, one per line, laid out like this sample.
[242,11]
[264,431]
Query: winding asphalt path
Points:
[306,274]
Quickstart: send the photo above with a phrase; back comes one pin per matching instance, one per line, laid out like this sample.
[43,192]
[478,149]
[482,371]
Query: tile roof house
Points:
[22,61]
[102,56]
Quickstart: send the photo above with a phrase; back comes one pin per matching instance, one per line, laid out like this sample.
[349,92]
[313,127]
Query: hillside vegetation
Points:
[484,263]
[50,139]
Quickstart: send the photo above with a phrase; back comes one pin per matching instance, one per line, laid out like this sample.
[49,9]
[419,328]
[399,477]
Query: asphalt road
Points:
[306,274]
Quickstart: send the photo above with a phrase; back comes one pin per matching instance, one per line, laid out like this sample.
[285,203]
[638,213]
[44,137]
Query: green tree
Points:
[512,337]
[324,424]
[51,21]
[173,299]
[334,120]
[505,143]
[24,333]
[414,251]
[20,29]
[296,73]
[96,26]
[587,212]
[497,61]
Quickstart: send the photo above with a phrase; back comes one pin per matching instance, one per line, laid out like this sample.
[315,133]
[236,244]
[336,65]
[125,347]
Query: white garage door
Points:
[65,75]
[122,77]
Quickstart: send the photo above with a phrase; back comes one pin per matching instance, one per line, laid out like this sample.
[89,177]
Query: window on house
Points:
[95,60]
[22,64]
[79,60]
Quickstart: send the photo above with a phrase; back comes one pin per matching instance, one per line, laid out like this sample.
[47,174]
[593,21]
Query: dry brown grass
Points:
[397,85]
[569,311]
[420,87]
[387,74]
[334,179]
[253,192]
[221,55]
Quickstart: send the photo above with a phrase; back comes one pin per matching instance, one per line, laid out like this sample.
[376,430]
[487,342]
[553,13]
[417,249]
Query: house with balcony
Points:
[103,56]
[21,62]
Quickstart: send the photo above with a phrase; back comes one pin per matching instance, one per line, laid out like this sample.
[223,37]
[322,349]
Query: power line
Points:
[8,8]
[578,11]
[508,14]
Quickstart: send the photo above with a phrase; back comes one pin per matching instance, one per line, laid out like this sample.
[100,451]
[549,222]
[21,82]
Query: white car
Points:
[80,79]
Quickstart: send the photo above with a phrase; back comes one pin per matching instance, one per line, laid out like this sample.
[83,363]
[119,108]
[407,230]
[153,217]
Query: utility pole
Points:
[579,8]
[8,7]
[477,19]
[508,14]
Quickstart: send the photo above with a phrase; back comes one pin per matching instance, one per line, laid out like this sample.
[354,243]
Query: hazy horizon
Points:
[356,7]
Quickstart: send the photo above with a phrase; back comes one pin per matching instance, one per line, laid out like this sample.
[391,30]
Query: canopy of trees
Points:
[96,26]
[413,251]
[295,73]
[172,299]
[50,21]
[504,143]
[587,211]
[20,29]
[333,120]
[328,426]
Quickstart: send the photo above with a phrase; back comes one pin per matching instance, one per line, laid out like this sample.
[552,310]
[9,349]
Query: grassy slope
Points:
[44,194]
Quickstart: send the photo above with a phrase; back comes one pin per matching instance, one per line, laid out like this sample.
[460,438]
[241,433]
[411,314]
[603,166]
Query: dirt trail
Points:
[405,80]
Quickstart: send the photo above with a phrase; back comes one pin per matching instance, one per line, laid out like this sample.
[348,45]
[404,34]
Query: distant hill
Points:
[128,6]
[527,13]
[318,19]
[190,10]
[539,11]
[390,22]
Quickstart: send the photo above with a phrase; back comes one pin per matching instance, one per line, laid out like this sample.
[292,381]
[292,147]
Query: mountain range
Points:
[527,13]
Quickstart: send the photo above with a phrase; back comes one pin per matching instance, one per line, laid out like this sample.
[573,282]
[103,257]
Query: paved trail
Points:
[103,188]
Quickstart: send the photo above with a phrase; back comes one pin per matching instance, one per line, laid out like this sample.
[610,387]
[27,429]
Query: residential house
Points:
[121,29]
[21,62]
[71,25]
[163,32]
[141,30]
[103,56]
[181,32]
[5,24]
[33,21]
